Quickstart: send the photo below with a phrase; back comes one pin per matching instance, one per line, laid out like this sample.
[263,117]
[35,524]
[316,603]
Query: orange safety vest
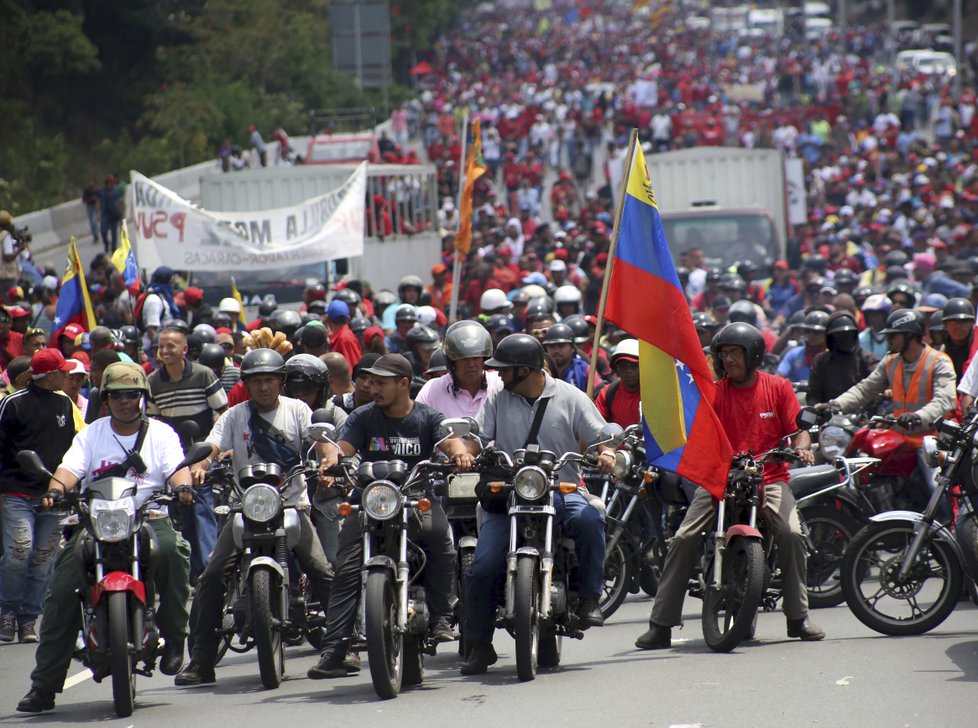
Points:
[915,394]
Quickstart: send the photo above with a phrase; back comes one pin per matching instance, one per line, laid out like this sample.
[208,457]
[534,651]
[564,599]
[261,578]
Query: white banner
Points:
[170,230]
[794,177]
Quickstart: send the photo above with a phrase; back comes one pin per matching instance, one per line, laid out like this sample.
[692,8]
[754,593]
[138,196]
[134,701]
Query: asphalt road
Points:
[854,678]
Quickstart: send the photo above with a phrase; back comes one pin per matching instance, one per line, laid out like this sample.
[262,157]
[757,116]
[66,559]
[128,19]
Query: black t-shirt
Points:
[377,437]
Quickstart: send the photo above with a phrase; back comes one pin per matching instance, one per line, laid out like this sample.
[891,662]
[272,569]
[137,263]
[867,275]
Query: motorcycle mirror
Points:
[321,415]
[187,430]
[807,418]
[461,426]
[611,434]
[29,461]
[197,452]
[322,431]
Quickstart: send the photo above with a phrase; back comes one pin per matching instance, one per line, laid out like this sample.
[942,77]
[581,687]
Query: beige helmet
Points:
[124,375]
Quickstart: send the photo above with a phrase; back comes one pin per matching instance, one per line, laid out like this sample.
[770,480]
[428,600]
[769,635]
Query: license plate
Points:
[461,486]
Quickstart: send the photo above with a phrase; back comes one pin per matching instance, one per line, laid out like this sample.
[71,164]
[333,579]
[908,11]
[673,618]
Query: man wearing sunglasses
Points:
[125,444]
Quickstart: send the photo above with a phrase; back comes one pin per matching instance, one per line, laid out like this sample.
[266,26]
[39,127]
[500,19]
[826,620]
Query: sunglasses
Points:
[118,394]
[34,332]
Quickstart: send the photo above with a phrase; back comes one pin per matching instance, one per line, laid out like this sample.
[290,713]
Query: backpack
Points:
[137,311]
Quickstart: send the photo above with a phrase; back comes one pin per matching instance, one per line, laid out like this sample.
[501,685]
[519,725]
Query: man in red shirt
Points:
[341,339]
[619,401]
[757,410]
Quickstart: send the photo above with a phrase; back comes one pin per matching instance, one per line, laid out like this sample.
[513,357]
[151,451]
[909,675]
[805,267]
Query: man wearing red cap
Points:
[440,289]
[198,311]
[42,419]
[66,341]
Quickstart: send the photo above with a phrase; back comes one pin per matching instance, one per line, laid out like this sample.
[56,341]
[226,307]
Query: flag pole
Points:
[457,259]
[620,204]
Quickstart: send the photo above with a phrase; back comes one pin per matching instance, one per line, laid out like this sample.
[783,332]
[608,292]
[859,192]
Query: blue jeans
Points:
[578,519]
[199,528]
[30,546]
[94,223]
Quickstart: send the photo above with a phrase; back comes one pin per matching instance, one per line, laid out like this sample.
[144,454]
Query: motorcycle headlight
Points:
[113,520]
[832,442]
[531,483]
[381,500]
[931,451]
[260,503]
[623,464]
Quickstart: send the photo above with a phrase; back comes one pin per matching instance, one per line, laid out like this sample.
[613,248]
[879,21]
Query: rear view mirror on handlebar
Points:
[197,452]
[322,432]
[461,426]
[807,418]
[29,461]
[612,434]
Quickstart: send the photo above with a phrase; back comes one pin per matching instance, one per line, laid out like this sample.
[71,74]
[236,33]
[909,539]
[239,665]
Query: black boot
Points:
[195,674]
[331,665]
[172,658]
[36,701]
[805,630]
[481,656]
[590,613]
[657,638]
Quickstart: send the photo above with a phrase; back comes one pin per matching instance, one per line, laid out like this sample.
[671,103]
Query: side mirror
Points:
[321,415]
[187,430]
[322,432]
[29,461]
[197,452]
[612,434]
[461,426]
[807,418]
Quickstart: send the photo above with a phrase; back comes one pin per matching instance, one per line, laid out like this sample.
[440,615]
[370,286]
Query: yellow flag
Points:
[236,295]
[475,167]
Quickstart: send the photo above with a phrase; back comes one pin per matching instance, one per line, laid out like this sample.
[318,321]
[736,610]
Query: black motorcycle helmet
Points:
[905,321]
[517,350]
[936,322]
[350,297]
[406,312]
[713,275]
[845,280]
[305,373]
[421,336]
[582,332]
[746,268]
[466,339]
[501,324]
[262,361]
[743,335]
[359,324]
[180,324]
[213,357]
[558,334]
[266,309]
[195,345]
[815,320]
[742,311]
[288,322]
[130,334]
[841,333]
[895,258]
[437,364]
[958,309]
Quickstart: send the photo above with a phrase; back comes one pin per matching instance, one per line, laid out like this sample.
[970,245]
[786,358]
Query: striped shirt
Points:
[196,396]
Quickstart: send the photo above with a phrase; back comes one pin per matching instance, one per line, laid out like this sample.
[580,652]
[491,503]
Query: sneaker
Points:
[26,633]
[329,666]
[8,628]
[195,674]
[440,631]
[481,656]
[805,630]
[36,701]
[657,638]
[590,612]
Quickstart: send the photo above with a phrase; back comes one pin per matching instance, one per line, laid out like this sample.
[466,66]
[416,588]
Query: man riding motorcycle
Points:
[460,394]
[569,418]
[125,444]
[921,379]
[268,428]
[843,365]
[757,411]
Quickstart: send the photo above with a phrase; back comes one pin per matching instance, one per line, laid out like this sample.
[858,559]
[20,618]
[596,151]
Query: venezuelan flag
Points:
[124,260]
[682,432]
[74,305]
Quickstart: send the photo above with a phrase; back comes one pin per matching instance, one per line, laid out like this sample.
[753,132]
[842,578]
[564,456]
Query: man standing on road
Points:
[757,410]
[42,419]
[184,391]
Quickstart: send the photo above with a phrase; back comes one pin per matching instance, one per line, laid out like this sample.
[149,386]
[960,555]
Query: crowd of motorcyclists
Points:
[878,314]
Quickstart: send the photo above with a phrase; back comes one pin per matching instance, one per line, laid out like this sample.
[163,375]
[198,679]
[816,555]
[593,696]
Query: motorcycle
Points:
[118,553]
[540,599]
[266,605]
[902,574]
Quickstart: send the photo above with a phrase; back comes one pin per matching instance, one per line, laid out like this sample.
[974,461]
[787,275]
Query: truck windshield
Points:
[287,284]
[723,238]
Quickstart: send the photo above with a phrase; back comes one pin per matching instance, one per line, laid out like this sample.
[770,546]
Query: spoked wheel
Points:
[883,601]
[829,532]
[123,678]
[729,609]
[526,619]
[385,645]
[617,578]
[268,633]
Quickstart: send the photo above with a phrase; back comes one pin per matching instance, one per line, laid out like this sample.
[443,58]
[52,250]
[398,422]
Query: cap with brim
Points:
[77,367]
[391,365]
[45,361]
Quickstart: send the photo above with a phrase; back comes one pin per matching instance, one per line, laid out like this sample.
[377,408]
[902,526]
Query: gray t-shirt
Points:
[571,418]
[232,432]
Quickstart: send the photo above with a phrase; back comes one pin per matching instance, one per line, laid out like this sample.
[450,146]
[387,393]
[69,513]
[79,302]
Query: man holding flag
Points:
[683,432]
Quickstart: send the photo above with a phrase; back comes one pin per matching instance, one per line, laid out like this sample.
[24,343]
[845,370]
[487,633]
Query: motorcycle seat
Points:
[805,481]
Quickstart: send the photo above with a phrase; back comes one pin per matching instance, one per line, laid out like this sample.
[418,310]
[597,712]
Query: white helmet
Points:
[229,305]
[427,315]
[494,301]
[567,294]
[626,347]
[534,291]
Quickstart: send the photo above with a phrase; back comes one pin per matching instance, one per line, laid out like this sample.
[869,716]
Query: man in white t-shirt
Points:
[266,428]
[147,452]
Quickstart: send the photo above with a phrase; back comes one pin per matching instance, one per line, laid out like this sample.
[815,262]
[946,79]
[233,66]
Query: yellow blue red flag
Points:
[682,432]
[124,260]
[74,306]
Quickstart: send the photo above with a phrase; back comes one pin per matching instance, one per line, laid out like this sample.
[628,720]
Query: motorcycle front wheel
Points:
[829,531]
[385,645]
[729,608]
[526,618]
[120,660]
[268,636]
[617,579]
[884,602]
